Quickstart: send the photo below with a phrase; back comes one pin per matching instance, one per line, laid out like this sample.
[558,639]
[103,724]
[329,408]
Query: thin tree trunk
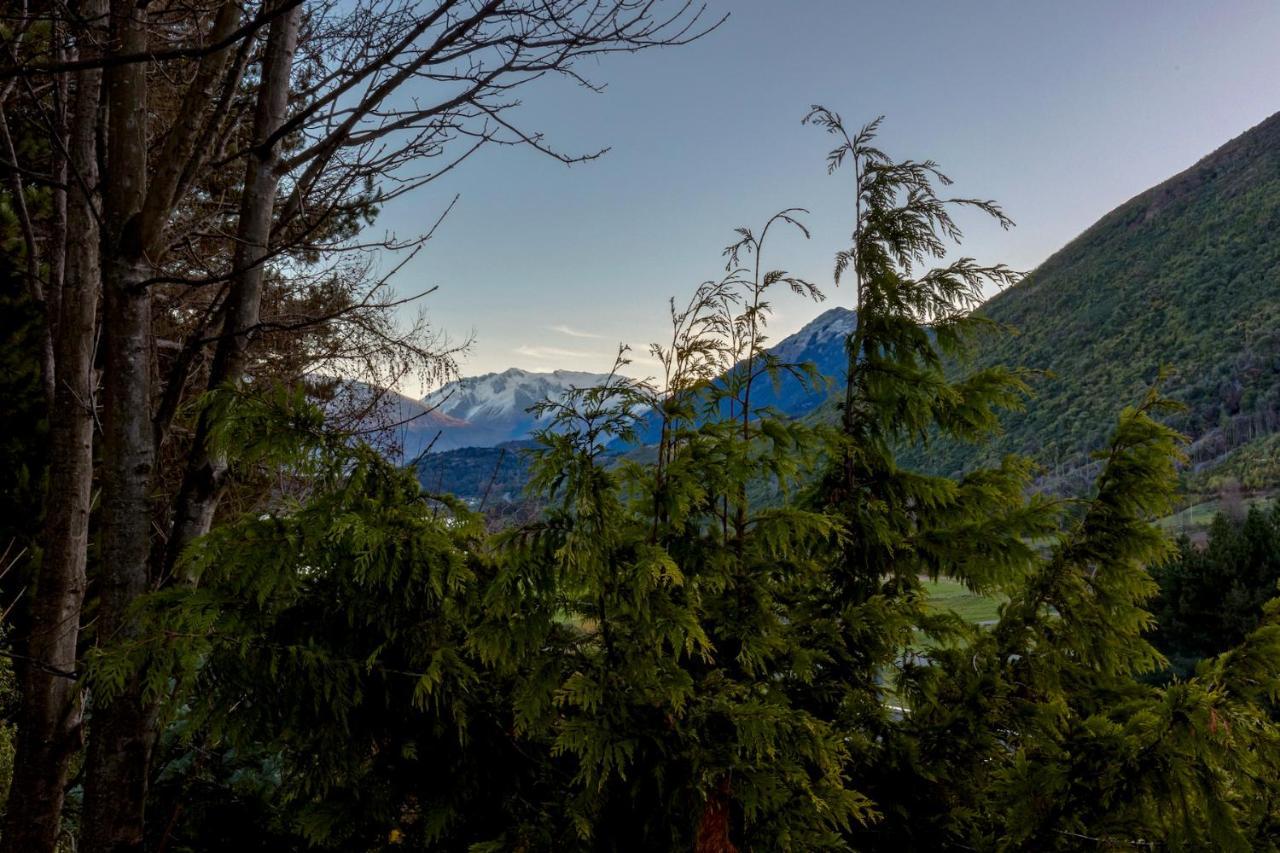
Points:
[58,236]
[856,341]
[854,345]
[205,476]
[49,717]
[120,735]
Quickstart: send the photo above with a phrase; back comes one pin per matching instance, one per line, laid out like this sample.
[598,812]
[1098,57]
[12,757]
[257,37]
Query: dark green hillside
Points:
[472,473]
[1187,273]
[1254,467]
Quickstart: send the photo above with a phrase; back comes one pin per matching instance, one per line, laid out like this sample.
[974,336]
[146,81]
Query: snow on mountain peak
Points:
[483,411]
[506,394]
[830,323]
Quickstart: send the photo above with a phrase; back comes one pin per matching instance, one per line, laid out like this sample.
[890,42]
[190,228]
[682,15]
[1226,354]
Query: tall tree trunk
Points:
[59,154]
[205,476]
[120,729]
[49,718]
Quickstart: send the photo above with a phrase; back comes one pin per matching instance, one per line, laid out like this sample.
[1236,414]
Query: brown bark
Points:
[120,736]
[205,475]
[136,212]
[49,718]
[58,236]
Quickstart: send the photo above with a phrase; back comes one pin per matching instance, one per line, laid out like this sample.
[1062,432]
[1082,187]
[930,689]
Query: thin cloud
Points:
[574,333]
[553,352]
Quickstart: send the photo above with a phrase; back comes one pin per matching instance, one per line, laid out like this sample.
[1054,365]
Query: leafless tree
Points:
[217,163]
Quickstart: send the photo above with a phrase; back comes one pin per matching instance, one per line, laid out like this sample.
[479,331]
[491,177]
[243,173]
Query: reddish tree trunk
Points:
[714,825]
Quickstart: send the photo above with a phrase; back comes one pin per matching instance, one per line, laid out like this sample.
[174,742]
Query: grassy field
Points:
[1199,516]
[946,594]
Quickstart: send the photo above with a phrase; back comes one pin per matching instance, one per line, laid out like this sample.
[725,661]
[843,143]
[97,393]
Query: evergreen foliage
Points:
[22,418]
[23,459]
[660,661]
[1212,598]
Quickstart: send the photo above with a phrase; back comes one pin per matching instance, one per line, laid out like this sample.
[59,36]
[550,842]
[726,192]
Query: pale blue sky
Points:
[1059,110]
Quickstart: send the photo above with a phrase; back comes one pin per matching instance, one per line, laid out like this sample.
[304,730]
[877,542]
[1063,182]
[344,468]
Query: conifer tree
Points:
[1211,597]
[671,708]
[663,661]
[897,526]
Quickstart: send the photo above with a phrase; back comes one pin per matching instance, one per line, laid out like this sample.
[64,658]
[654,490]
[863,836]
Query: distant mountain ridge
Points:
[820,342]
[492,465]
[492,409]
[399,426]
[487,410]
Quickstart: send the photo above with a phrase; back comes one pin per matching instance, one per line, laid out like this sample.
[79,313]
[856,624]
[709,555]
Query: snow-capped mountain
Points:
[819,338]
[400,426]
[489,408]
[484,411]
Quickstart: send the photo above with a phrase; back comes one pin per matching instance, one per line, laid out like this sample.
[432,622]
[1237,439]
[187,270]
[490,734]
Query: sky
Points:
[1060,111]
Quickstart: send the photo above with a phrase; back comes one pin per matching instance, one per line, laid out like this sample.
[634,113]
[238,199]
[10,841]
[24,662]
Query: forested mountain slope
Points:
[1186,274]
